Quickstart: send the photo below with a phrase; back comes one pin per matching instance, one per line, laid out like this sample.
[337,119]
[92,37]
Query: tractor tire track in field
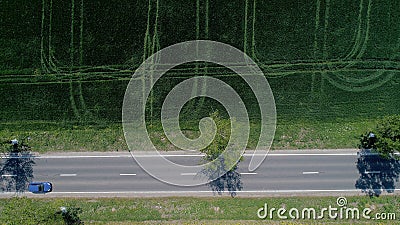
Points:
[357,49]
[316,28]
[357,34]
[326,24]
[276,69]
[373,83]
[360,82]
[334,73]
[350,72]
[83,112]
[366,36]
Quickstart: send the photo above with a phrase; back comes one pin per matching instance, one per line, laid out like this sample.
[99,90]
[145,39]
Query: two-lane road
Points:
[117,174]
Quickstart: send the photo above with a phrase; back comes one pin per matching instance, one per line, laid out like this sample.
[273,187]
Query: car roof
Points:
[35,183]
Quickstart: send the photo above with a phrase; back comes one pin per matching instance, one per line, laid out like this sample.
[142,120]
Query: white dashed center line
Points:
[127,174]
[188,174]
[68,175]
[8,175]
[194,174]
[313,172]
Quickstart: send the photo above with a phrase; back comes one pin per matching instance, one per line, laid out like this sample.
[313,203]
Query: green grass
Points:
[188,210]
[60,137]
[56,137]
[317,135]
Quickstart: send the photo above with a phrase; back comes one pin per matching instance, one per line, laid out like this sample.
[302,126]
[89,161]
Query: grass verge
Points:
[190,210]
[301,134]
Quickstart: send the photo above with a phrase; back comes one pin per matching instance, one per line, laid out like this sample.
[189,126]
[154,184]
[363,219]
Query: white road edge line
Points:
[127,174]
[198,155]
[311,172]
[68,175]
[182,155]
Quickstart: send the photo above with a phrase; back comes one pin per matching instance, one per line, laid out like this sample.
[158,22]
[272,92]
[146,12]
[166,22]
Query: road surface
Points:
[327,172]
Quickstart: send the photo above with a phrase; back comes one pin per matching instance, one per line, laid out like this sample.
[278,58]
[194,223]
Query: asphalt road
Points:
[283,172]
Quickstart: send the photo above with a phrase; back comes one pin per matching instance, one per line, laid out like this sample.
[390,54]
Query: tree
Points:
[386,137]
[20,165]
[230,181]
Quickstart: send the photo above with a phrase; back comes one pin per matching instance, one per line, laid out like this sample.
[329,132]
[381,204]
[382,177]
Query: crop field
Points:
[333,66]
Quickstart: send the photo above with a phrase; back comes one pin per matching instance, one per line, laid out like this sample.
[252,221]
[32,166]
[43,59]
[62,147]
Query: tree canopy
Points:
[385,139]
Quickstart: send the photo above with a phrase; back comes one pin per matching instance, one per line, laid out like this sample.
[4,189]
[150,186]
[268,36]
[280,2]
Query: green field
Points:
[86,115]
[185,210]
[333,66]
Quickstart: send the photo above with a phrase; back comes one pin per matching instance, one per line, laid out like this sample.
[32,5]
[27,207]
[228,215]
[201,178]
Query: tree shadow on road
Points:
[230,181]
[377,174]
[16,172]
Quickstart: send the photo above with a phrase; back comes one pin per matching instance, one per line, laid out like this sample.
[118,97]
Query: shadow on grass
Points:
[16,172]
[377,174]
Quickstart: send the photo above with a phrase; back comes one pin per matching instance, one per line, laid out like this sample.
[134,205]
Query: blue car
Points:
[40,187]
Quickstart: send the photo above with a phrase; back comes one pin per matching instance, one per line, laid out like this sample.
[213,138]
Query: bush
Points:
[71,215]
